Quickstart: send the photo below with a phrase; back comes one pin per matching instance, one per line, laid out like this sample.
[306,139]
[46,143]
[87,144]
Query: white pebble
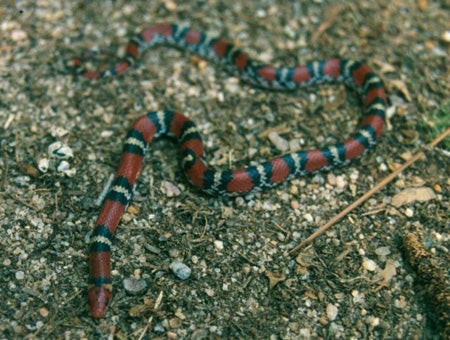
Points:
[446,36]
[280,143]
[181,270]
[340,182]
[20,275]
[382,251]
[18,35]
[218,245]
[308,217]
[369,265]
[332,312]
[63,166]
[374,321]
[106,133]
[409,212]
[42,164]
[170,189]
[57,131]
[60,150]
[134,286]
[70,172]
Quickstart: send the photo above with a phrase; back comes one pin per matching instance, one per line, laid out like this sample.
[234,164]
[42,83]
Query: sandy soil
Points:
[353,282]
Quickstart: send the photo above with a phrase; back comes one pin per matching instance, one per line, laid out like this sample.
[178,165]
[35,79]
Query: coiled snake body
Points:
[222,182]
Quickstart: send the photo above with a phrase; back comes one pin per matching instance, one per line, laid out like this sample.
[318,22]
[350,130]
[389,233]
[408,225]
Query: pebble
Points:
[369,265]
[446,36]
[181,270]
[409,212]
[44,312]
[332,312]
[305,333]
[18,35]
[340,182]
[209,292]
[308,217]
[60,150]
[373,321]
[174,323]
[218,245]
[57,131]
[63,166]
[43,163]
[382,251]
[20,275]
[106,133]
[170,189]
[134,286]
[280,143]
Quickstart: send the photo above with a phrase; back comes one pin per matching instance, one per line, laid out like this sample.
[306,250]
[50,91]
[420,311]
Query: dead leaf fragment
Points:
[274,278]
[411,195]
[401,86]
[388,272]
[332,15]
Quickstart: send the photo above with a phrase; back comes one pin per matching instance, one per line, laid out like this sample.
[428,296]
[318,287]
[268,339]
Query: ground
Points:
[354,281]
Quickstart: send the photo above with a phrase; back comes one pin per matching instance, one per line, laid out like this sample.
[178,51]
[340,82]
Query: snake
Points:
[229,182]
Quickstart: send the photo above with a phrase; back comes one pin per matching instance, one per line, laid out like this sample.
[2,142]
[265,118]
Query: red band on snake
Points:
[222,182]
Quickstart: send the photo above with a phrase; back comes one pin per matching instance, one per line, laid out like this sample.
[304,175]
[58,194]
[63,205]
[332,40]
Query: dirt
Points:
[352,282]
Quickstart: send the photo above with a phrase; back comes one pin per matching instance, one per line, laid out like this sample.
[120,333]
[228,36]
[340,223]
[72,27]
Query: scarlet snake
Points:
[222,182]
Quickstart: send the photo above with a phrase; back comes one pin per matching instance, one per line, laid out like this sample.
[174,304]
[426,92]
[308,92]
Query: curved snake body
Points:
[222,182]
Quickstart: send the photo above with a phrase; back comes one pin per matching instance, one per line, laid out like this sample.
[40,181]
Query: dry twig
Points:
[367,195]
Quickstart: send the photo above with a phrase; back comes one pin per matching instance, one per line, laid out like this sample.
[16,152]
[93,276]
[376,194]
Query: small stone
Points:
[134,286]
[17,35]
[305,333]
[446,36]
[170,5]
[159,328]
[43,163]
[308,217]
[63,166]
[60,150]
[57,131]
[38,202]
[373,321]
[218,245]
[106,133]
[20,275]
[170,189]
[332,312]
[295,204]
[171,335]
[341,182]
[70,172]
[280,143]
[409,212]
[382,251]
[293,326]
[181,270]
[331,179]
[369,265]
[174,323]
[43,312]
[199,334]
[356,296]
[209,292]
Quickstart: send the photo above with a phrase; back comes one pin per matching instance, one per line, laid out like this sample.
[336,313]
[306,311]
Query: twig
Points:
[150,319]
[367,195]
